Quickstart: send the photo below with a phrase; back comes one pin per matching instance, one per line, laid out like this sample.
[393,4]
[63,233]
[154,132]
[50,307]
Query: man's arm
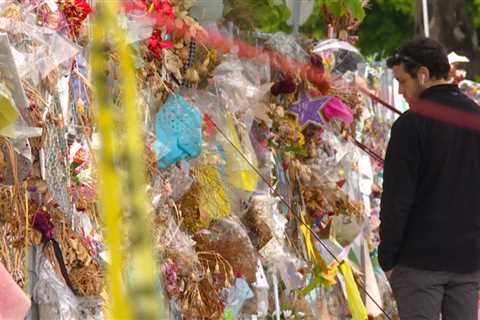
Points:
[400,177]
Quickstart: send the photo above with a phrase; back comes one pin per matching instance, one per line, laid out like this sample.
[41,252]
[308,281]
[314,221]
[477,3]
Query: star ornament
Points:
[308,110]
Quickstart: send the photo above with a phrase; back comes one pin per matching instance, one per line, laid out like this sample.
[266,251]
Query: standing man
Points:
[430,211]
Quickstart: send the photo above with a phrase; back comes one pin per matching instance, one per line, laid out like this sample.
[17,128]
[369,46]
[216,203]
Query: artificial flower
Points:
[335,108]
[156,44]
[42,222]
[285,86]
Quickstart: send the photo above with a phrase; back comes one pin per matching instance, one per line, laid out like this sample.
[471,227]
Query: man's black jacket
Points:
[430,212]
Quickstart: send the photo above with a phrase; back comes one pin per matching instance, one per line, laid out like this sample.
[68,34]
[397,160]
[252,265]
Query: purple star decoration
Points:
[307,109]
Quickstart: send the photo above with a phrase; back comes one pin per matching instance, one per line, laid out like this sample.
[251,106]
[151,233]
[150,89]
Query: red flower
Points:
[84,7]
[156,44]
[285,86]
[162,7]
[75,12]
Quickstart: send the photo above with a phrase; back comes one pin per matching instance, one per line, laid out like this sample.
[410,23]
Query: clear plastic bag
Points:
[19,131]
[229,238]
[8,112]
[236,296]
[239,153]
[137,27]
[340,57]
[180,179]
[209,104]
[11,80]
[277,259]
[242,84]
[263,220]
[330,152]
[48,50]
[56,300]
[286,44]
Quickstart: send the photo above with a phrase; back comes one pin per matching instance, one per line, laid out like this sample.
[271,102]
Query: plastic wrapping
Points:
[374,123]
[329,152]
[10,76]
[229,137]
[264,220]
[180,179]
[236,296]
[228,238]
[138,28]
[22,154]
[76,91]
[261,287]
[243,85]
[56,300]
[279,260]
[389,304]
[286,44]
[8,111]
[48,51]
[240,171]
[19,131]
[14,127]
[329,302]
[206,201]
[175,241]
[340,56]
[54,157]
[208,103]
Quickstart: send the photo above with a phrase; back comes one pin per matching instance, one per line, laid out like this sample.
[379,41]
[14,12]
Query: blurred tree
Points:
[265,15]
[387,25]
[458,30]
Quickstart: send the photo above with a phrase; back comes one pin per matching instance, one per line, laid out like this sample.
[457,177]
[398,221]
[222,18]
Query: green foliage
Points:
[265,15]
[271,15]
[388,24]
[473,10]
[315,26]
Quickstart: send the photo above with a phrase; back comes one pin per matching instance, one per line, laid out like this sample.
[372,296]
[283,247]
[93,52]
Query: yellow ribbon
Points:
[311,252]
[142,289]
[355,303]
[109,179]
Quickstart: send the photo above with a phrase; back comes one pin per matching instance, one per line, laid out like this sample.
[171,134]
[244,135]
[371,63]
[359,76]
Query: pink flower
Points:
[335,108]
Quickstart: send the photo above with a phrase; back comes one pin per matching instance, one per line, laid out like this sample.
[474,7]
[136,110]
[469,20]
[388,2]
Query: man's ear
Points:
[423,74]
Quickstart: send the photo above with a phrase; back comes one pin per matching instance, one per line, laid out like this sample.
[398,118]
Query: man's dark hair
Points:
[422,52]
